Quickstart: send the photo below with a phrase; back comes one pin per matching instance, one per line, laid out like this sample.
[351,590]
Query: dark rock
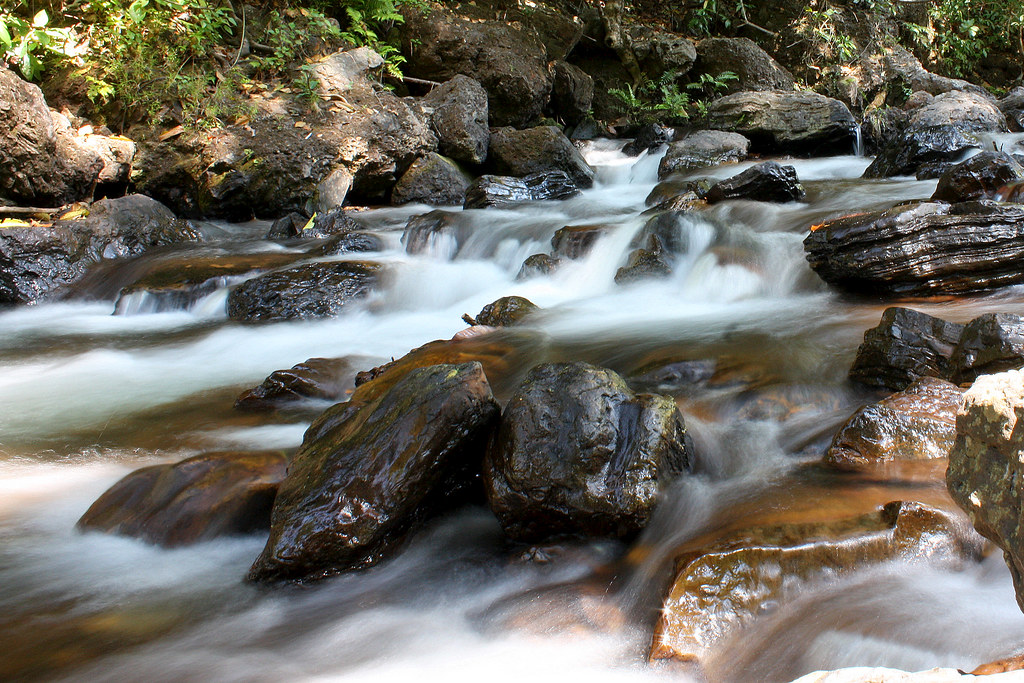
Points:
[36,260]
[650,137]
[933,169]
[980,177]
[370,469]
[702,149]
[579,453]
[662,233]
[323,379]
[753,67]
[659,52]
[576,241]
[287,227]
[991,343]
[458,115]
[536,150]
[1012,107]
[905,346]
[921,249]
[985,465]
[433,180]
[435,230]
[351,242]
[768,181]
[673,375]
[334,222]
[587,129]
[792,122]
[572,93]
[197,499]
[313,290]
[506,311]
[645,263]
[536,265]
[503,191]
[551,185]
[917,423]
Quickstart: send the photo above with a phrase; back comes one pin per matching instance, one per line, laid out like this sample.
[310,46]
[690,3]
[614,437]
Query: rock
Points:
[587,129]
[510,62]
[352,242]
[536,150]
[197,499]
[971,111]
[436,232]
[35,261]
[504,191]
[506,311]
[536,265]
[288,226]
[645,263]
[905,346]
[572,93]
[1012,107]
[323,379]
[434,180]
[754,68]
[768,181]
[921,249]
[458,115]
[662,233]
[370,469]
[671,375]
[117,155]
[790,122]
[991,343]
[659,52]
[904,70]
[703,149]
[313,290]
[577,452]
[917,423]
[985,465]
[576,241]
[330,223]
[331,191]
[341,72]
[721,588]
[650,137]
[980,177]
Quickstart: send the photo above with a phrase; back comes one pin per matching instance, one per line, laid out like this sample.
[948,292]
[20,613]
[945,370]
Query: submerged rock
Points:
[313,290]
[578,452]
[576,241]
[435,230]
[369,469]
[644,263]
[703,149]
[991,343]
[325,379]
[768,181]
[194,500]
[538,264]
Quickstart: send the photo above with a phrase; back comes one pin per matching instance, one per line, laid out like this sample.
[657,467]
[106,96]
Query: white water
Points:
[86,396]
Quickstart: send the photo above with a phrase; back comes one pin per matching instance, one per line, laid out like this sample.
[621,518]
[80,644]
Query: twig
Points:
[241,41]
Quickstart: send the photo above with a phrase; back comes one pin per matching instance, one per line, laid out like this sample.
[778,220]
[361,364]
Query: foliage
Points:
[820,27]
[961,33]
[713,85]
[368,22]
[25,44]
[292,36]
[653,100]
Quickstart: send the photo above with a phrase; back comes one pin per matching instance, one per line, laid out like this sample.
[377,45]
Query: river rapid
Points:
[87,395]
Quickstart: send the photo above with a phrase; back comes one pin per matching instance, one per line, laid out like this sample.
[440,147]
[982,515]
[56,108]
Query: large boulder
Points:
[459,116]
[904,346]
[369,469]
[578,452]
[702,149]
[980,177]
[659,52]
[917,423]
[194,500]
[509,61]
[790,122]
[434,180]
[768,181]
[572,93]
[991,343]
[921,249]
[986,465]
[754,68]
[536,150]
[504,191]
[36,260]
[312,290]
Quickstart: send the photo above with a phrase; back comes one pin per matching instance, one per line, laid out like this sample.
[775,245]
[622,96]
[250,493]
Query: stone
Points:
[506,311]
[917,423]
[576,241]
[288,226]
[437,232]
[644,263]
[331,191]
[753,67]
[905,346]
[352,242]
[659,52]
[649,138]
[320,379]
[703,149]
[989,344]
[768,181]
[459,118]
[503,191]
[1012,107]
[434,180]
[312,290]
[538,265]
[985,465]
[577,452]
[342,72]
[197,499]
[330,223]
[980,177]
[572,93]
[536,150]
[370,469]
[117,155]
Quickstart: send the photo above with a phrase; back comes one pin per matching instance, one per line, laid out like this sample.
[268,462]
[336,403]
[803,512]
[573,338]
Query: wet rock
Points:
[576,241]
[37,260]
[792,122]
[768,181]
[288,226]
[522,153]
[991,343]
[1012,107]
[506,311]
[323,379]
[436,230]
[721,588]
[197,499]
[658,51]
[921,249]
[587,129]
[536,265]
[985,465]
[433,180]
[351,242]
[370,469]
[458,115]
[645,263]
[663,233]
[313,290]
[650,137]
[674,375]
[915,424]
[904,346]
[503,191]
[753,67]
[980,177]
[572,93]
[577,452]
[703,149]
[334,222]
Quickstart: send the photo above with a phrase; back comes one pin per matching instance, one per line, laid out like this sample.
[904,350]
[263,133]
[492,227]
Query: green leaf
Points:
[40,19]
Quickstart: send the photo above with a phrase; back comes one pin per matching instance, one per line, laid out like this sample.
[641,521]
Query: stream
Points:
[87,395]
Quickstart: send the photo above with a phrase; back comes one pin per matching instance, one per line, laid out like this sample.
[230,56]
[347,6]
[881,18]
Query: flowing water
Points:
[87,395]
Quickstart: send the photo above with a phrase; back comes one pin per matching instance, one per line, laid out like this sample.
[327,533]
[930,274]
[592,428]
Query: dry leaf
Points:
[173,132]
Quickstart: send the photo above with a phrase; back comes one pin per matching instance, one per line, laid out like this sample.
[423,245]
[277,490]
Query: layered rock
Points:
[522,153]
[504,191]
[702,149]
[370,469]
[768,181]
[312,290]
